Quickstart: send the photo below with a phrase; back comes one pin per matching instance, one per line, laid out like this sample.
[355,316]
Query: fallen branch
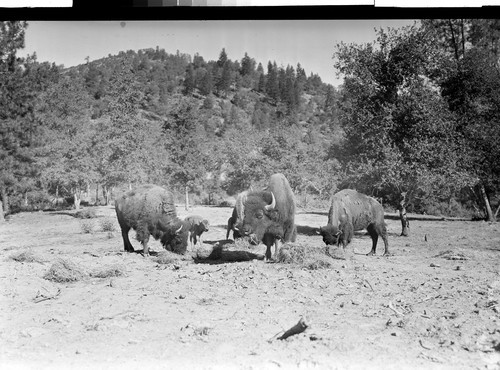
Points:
[366,281]
[40,297]
[296,329]
[396,311]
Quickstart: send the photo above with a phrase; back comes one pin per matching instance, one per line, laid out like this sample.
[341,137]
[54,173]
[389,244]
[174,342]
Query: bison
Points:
[234,222]
[150,210]
[351,211]
[197,226]
[269,215]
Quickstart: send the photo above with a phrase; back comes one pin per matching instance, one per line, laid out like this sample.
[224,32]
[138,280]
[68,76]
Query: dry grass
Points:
[167,257]
[108,271]
[26,256]
[64,271]
[309,257]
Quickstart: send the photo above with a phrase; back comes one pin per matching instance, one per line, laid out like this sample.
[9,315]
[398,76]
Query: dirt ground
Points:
[434,304]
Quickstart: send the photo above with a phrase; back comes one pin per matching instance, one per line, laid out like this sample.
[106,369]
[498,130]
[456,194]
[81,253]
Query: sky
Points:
[287,42]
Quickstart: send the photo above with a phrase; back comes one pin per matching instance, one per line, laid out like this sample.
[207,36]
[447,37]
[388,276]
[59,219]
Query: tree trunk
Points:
[405,224]
[97,194]
[78,198]
[105,195]
[187,199]
[5,199]
[2,218]
[487,207]
[25,199]
[496,212]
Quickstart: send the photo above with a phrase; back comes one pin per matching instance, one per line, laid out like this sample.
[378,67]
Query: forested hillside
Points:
[417,119]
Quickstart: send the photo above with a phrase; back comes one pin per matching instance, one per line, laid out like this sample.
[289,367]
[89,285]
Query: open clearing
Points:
[434,304]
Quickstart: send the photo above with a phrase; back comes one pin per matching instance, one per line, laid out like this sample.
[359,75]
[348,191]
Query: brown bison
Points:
[150,210]
[234,222]
[351,211]
[269,215]
[197,226]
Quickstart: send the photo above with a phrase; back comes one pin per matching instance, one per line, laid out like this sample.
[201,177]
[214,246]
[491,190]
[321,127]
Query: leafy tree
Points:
[399,134]
[21,81]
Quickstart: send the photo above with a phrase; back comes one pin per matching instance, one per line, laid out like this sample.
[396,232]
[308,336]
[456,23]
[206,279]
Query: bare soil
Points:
[434,304]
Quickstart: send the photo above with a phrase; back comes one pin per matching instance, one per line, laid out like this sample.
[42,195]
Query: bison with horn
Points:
[269,216]
[150,210]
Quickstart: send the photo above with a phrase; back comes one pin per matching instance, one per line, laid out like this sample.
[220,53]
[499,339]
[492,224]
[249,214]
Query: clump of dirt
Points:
[26,256]
[64,271]
[308,257]
[108,271]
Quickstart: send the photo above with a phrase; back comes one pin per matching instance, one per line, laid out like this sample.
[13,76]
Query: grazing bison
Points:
[351,211]
[150,210]
[269,215]
[234,222]
[197,226]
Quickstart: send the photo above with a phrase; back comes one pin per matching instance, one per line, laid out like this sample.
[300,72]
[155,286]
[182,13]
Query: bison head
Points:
[331,234]
[260,216]
[175,237]
[204,225]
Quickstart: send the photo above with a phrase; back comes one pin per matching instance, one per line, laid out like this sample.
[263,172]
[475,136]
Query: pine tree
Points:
[189,80]
[272,87]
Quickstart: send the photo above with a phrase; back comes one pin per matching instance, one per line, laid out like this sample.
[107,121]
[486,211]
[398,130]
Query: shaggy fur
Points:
[351,211]
[234,222]
[197,227]
[150,211]
[270,225]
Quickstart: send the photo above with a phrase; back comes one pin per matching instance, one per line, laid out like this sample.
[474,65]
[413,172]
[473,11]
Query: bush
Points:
[107,224]
[87,226]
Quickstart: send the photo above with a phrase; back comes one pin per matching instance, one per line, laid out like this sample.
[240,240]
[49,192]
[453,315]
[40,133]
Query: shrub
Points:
[107,224]
[87,226]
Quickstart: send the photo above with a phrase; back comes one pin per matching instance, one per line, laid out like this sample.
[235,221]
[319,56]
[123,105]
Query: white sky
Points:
[310,42]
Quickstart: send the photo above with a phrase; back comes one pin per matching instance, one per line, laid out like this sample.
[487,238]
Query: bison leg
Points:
[145,250]
[269,240]
[383,234]
[374,235]
[126,241]
[229,228]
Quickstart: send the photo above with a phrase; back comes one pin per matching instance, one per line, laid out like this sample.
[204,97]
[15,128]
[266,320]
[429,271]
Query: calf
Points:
[198,226]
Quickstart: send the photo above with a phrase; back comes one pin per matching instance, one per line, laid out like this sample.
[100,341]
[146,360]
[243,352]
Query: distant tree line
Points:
[416,118]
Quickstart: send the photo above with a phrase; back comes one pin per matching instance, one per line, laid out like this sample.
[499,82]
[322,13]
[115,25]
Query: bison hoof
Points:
[372,253]
[387,254]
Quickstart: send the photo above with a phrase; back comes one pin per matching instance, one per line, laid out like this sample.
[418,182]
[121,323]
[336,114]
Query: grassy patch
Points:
[64,271]
[26,256]
[108,271]
[309,257]
[167,257]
